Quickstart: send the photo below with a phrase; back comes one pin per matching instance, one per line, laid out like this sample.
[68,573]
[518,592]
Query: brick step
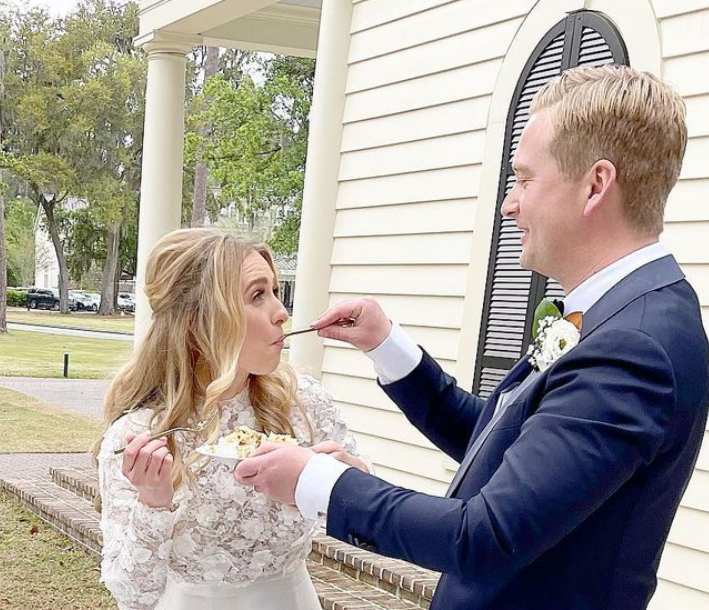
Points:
[60,508]
[83,482]
[74,515]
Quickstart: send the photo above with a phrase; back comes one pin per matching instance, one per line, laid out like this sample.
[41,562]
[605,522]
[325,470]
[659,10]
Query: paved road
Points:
[83,396]
[57,330]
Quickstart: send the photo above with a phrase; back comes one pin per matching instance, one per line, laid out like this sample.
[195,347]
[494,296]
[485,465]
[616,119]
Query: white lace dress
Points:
[221,533]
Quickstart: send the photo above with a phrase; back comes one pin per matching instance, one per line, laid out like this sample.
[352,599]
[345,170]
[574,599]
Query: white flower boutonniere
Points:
[553,335]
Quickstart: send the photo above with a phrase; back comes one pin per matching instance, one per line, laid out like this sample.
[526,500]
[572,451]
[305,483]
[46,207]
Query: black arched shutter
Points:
[512,293]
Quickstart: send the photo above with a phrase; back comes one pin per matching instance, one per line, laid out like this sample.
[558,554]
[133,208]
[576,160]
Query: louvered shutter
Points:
[512,293]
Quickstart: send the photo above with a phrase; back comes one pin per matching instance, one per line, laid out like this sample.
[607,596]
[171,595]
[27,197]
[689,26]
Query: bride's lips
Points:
[279,342]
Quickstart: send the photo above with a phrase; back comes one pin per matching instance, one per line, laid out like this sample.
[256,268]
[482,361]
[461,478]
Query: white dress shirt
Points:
[398,355]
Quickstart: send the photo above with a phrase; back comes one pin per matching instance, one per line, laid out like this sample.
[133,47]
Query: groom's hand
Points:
[274,470]
[370,328]
[337,451]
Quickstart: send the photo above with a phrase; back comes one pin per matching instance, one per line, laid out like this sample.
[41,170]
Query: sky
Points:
[58,8]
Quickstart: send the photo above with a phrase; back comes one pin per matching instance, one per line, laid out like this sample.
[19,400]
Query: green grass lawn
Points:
[28,425]
[85,321]
[41,569]
[32,354]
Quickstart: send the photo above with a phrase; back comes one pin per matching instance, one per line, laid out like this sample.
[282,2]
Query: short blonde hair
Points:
[627,117]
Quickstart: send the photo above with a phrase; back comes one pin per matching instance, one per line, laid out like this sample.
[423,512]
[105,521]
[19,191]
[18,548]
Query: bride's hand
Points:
[338,452]
[148,466]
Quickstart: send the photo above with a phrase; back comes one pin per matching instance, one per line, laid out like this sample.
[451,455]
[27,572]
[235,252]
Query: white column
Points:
[161,178]
[320,189]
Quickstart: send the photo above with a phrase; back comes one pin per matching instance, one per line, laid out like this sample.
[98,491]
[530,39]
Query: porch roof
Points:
[287,26]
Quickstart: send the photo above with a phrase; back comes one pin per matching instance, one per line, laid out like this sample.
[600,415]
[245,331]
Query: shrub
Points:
[16,298]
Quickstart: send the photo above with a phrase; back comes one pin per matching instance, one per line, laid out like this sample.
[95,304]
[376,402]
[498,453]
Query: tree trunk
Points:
[48,207]
[3,251]
[108,279]
[3,264]
[201,172]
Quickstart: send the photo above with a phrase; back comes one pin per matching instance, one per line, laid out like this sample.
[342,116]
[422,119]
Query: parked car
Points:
[126,302]
[46,298]
[84,301]
[95,299]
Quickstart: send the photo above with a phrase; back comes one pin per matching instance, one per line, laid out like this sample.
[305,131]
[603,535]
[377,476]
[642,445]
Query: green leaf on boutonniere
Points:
[545,309]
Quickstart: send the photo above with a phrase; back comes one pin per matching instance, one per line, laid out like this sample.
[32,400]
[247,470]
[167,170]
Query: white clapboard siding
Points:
[432,217]
[688,74]
[695,159]
[450,86]
[391,425]
[370,13]
[445,54]
[425,249]
[434,185]
[688,200]
[445,21]
[703,459]
[671,596]
[428,280]
[684,34]
[448,151]
[698,277]
[697,115]
[356,364]
[427,463]
[422,124]
[443,312]
[355,390]
[697,494]
[683,239]
[685,567]
[417,101]
[668,8]
[689,529]
[441,343]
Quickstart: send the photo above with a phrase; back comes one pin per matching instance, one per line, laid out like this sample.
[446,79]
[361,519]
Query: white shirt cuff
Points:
[315,484]
[396,356]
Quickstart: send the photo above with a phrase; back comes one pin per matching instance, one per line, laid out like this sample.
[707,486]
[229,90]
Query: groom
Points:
[570,477]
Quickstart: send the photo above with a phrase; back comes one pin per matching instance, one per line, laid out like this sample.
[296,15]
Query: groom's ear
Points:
[600,182]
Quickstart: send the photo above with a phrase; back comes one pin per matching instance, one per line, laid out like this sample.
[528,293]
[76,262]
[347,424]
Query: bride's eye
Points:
[258,296]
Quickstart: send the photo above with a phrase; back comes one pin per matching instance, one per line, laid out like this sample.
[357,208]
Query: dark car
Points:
[44,298]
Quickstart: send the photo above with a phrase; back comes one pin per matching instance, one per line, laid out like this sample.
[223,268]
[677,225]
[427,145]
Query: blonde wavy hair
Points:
[625,116]
[189,357]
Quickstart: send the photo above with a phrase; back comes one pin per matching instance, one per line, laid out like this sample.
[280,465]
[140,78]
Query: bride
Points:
[178,532]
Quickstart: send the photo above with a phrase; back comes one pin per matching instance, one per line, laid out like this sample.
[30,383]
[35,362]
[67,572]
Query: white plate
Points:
[229,460]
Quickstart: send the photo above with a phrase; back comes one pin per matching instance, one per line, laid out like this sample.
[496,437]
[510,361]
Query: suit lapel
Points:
[509,396]
[652,276]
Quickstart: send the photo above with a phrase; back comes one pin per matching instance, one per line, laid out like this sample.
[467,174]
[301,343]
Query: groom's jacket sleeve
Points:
[433,403]
[606,411]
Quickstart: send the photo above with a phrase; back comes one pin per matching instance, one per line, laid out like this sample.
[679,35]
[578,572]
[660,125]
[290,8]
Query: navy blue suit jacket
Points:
[569,500]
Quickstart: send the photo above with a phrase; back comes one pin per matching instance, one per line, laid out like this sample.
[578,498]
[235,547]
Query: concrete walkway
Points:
[82,396]
[37,465]
[72,332]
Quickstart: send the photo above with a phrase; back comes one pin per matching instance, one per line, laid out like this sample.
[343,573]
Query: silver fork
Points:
[344,322]
[198,428]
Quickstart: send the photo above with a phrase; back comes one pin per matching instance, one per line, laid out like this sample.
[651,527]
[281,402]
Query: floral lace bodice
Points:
[220,531]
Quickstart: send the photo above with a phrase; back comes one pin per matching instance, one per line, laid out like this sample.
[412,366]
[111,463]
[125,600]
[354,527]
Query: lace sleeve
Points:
[136,538]
[324,415]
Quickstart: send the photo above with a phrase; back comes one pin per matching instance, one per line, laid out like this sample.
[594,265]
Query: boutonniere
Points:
[553,335]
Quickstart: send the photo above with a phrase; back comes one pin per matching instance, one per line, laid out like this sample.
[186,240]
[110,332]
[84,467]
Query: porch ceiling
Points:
[285,26]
